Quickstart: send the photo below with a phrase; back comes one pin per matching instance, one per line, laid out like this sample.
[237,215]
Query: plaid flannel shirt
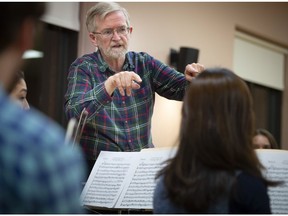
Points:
[118,123]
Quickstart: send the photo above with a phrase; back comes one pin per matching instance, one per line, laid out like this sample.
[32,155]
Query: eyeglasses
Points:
[108,33]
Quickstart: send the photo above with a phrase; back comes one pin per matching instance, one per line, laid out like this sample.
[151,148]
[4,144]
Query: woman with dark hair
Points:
[215,169]
[19,91]
[263,139]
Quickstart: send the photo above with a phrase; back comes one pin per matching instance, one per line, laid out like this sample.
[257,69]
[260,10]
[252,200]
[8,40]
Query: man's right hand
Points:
[124,81]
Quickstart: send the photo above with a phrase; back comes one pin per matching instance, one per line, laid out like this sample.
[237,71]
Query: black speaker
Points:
[186,56]
[173,58]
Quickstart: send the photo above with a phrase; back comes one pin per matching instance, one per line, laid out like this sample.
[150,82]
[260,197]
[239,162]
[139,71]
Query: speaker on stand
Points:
[186,56]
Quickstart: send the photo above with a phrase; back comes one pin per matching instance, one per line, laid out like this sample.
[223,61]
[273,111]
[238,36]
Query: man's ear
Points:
[26,35]
[93,39]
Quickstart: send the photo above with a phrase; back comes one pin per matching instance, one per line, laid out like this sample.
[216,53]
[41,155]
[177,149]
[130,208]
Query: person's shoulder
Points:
[160,183]
[29,129]
[250,182]
[32,135]
[139,54]
[142,56]
[36,163]
[48,136]
[86,58]
[251,195]
[160,198]
[160,191]
[37,124]
[245,176]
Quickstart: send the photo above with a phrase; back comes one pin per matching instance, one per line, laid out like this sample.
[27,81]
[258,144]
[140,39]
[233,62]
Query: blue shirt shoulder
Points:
[39,174]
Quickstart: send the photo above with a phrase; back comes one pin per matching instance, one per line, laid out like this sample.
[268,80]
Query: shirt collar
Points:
[103,66]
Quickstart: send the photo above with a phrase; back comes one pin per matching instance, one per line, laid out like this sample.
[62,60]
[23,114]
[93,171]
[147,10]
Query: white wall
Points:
[64,14]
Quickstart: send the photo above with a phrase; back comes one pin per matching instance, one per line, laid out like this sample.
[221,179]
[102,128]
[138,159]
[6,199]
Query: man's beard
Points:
[115,53]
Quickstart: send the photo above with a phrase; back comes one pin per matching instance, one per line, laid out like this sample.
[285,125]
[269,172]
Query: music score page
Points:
[124,180]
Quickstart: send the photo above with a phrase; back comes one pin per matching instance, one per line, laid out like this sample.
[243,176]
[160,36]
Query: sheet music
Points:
[124,179]
[276,163]
[138,194]
[107,178]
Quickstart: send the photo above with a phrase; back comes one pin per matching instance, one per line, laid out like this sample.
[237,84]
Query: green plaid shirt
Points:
[118,123]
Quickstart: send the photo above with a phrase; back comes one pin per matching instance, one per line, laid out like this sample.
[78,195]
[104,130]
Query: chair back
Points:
[71,130]
[75,128]
[80,126]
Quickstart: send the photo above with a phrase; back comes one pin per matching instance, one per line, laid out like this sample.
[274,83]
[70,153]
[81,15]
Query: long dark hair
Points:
[269,136]
[215,140]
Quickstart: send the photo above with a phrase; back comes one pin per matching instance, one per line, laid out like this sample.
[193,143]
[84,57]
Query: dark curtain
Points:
[267,107]
[47,77]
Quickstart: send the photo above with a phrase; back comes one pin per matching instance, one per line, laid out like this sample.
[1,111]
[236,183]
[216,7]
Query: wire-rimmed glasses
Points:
[109,32]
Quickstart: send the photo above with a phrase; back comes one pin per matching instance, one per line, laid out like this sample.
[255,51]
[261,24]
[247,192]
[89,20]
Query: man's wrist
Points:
[109,86]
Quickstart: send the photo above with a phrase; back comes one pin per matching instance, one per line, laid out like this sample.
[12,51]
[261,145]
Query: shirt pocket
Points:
[142,95]
[143,101]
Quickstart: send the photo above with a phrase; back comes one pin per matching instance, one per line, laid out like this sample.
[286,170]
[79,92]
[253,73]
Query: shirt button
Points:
[126,122]
[129,141]
[123,102]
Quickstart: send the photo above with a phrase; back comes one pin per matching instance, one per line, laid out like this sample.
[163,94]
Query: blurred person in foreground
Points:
[38,174]
[117,87]
[215,169]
